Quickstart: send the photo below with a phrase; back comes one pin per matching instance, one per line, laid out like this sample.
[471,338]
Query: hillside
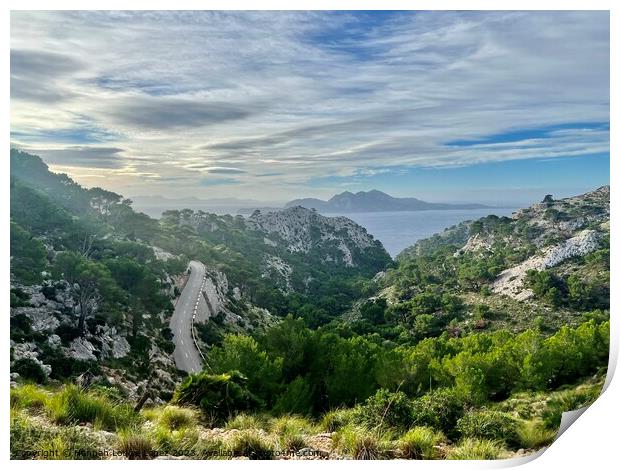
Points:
[93,282]
[546,263]
[374,201]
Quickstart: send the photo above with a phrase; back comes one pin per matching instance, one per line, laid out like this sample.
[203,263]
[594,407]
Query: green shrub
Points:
[211,448]
[420,443]
[251,444]
[33,441]
[439,409]
[388,409]
[335,419]
[297,397]
[217,395]
[490,425]
[174,442]
[21,327]
[29,369]
[476,449]
[291,423]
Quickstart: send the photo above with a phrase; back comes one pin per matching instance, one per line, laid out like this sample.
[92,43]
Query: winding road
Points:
[186,356]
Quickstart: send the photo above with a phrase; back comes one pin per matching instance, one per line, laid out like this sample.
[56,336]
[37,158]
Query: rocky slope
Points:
[300,230]
[549,261]
[560,231]
[288,247]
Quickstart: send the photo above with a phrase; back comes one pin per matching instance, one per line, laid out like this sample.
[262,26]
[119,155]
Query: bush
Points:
[21,328]
[217,395]
[67,333]
[291,423]
[420,443]
[335,419]
[387,409]
[490,425]
[251,444]
[439,409]
[29,369]
[64,367]
[49,292]
[476,449]
[297,397]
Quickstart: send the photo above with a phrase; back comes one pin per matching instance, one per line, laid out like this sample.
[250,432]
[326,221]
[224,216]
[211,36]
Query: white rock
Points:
[510,281]
[82,349]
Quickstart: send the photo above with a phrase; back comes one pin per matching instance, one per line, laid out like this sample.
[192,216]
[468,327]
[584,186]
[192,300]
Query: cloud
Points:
[36,75]
[169,113]
[218,181]
[81,156]
[281,99]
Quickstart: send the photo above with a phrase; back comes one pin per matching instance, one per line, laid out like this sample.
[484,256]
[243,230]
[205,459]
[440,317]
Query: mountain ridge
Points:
[375,201]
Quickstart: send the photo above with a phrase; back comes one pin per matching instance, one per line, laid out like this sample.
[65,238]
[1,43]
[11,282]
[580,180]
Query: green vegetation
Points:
[74,406]
[476,449]
[490,425]
[441,374]
[420,443]
[425,361]
[42,423]
[361,443]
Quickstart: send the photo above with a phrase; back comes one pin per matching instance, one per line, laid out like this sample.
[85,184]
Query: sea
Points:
[400,230]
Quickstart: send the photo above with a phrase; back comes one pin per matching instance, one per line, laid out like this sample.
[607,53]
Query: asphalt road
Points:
[186,356]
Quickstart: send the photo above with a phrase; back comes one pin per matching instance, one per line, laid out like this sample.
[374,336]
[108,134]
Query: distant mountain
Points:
[375,201]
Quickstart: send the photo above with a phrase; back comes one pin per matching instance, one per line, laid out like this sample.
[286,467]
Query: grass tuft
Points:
[476,449]
[174,418]
[251,444]
[420,443]
[134,445]
[359,443]
[534,435]
[29,397]
[74,406]
[244,421]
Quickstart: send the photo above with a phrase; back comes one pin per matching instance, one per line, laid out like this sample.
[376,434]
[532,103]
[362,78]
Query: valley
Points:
[291,334]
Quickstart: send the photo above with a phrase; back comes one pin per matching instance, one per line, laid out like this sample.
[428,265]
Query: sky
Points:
[496,107]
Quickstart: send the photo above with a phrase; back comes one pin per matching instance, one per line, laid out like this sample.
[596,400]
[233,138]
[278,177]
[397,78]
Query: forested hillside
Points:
[93,281]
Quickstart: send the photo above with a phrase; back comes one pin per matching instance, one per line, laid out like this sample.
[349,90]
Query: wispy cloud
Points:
[282,99]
